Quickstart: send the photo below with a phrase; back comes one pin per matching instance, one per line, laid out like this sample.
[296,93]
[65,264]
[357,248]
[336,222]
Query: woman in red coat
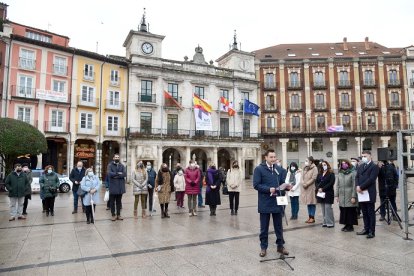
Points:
[192,178]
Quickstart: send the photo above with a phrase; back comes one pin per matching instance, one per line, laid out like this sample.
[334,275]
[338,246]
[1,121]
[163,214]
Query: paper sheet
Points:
[364,196]
[320,194]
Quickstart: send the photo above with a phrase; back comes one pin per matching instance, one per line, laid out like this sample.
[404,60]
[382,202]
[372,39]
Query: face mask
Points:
[192,166]
[364,160]
[18,170]
[90,174]
[292,169]
[49,171]
[344,166]
[180,172]
[354,163]
[116,161]
[79,168]
[148,167]
[306,163]
[325,167]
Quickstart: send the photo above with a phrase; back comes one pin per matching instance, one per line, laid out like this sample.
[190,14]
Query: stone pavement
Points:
[183,245]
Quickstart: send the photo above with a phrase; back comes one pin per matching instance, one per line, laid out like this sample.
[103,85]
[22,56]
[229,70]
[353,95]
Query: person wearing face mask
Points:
[28,194]
[294,177]
[234,181]
[140,188]
[49,185]
[325,182]
[90,184]
[151,186]
[355,161]
[307,190]
[76,176]
[17,185]
[365,180]
[179,184]
[164,187]
[346,196]
[174,172]
[213,189]
[192,177]
[117,173]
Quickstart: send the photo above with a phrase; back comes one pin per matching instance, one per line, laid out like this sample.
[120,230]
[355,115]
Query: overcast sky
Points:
[211,24]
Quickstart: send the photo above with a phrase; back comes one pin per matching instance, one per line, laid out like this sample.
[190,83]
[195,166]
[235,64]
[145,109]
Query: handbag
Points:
[106,196]
[225,190]
[80,192]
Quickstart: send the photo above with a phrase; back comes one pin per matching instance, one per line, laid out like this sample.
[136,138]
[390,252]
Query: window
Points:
[224,127]
[319,79]
[293,146]
[395,99]
[88,72]
[295,123]
[367,144]
[173,90]
[23,114]
[146,91]
[199,91]
[320,101]
[295,101]
[369,99]
[37,36]
[345,102]
[224,93]
[87,94]
[245,95]
[320,122]
[58,86]
[369,77]
[343,78]
[294,79]
[270,124]
[346,122]
[114,77]
[114,98]
[26,87]
[393,77]
[246,128]
[317,145]
[113,123]
[59,66]
[270,102]
[371,121]
[342,145]
[396,123]
[172,124]
[270,80]
[86,121]
[57,119]
[146,122]
[27,59]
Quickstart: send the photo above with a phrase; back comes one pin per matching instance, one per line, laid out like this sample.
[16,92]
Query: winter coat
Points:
[151,178]
[326,183]
[213,179]
[165,180]
[87,184]
[366,179]
[282,174]
[387,180]
[17,185]
[76,175]
[49,183]
[307,190]
[234,180]
[265,178]
[295,190]
[117,174]
[139,180]
[192,176]
[30,179]
[345,188]
[179,183]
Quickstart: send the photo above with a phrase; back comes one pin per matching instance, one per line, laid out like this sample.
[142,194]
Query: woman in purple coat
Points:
[213,189]
[192,177]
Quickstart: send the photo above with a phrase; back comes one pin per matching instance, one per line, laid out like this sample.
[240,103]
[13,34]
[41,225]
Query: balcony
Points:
[319,85]
[412,83]
[60,70]
[270,108]
[115,81]
[54,126]
[320,107]
[88,102]
[294,85]
[269,86]
[87,129]
[118,132]
[370,106]
[27,63]
[346,106]
[23,92]
[344,84]
[114,105]
[368,84]
[395,105]
[393,83]
[295,107]
[88,76]
[147,99]
[296,129]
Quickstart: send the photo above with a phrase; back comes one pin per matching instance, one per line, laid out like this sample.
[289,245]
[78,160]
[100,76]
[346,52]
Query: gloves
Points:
[150,186]
[192,184]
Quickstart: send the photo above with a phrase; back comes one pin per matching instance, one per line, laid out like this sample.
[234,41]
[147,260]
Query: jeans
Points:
[117,199]
[16,206]
[234,200]
[192,199]
[327,213]
[180,199]
[294,202]
[383,207]
[200,197]
[143,201]
[75,199]
[311,210]
[150,198]
[264,229]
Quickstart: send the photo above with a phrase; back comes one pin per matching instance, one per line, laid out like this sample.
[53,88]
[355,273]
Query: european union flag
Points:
[250,108]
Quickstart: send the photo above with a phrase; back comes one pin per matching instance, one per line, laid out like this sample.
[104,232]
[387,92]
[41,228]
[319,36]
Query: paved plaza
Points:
[183,245]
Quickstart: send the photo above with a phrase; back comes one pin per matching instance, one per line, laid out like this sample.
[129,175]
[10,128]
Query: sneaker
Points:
[282,251]
[190,214]
[194,213]
[12,218]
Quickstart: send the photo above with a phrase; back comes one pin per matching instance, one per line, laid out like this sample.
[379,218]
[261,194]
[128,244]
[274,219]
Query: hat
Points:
[356,159]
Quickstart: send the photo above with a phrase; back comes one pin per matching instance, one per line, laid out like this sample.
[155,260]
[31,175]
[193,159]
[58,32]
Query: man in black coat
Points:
[365,180]
[117,173]
[387,186]
[76,176]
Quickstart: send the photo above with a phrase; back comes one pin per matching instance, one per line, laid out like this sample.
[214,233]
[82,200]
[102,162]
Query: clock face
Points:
[147,48]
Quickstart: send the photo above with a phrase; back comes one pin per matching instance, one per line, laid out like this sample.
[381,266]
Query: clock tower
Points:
[142,46]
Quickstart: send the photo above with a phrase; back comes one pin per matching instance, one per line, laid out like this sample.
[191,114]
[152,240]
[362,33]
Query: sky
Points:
[211,24]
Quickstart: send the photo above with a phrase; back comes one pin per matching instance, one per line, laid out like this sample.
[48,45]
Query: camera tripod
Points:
[388,208]
[281,257]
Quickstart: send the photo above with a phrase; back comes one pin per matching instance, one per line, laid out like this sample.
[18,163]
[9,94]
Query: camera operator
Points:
[387,186]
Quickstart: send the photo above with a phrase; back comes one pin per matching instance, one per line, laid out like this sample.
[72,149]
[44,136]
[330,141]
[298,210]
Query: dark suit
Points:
[366,179]
[263,179]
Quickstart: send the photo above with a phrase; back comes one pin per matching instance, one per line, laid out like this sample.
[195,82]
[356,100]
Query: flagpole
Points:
[219,108]
[244,107]
[191,115]
[162,110]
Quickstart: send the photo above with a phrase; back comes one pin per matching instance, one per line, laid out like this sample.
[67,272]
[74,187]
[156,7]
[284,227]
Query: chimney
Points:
[3,11]
[345,44]
[366,43]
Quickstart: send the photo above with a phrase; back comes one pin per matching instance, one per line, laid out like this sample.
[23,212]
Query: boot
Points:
[232,212]
[52,213]
[135,214]
[214,210]
[162,211]
[235,212]
[308,220]
[311,219]
[74,211]
[88,219]
[166,211]
[143,214]
[47,213]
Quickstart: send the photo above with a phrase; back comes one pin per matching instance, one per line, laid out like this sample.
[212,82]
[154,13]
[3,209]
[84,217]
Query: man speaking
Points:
[266,182]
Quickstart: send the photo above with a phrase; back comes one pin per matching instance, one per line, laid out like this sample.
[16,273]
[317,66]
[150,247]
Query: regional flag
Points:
[250,108]
[169,100]
[226,106]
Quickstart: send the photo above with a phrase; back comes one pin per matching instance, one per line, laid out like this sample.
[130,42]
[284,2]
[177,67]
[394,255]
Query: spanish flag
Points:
[201,104]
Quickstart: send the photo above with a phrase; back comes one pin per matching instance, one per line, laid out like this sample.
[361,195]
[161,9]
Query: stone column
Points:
[70,156]
[309,142]
[159,161]
[359,144]
[334,153]
[98,161]
[187,156]
[215,157]
[385,140]
[258,156]
[239,157]
[284,151]
[133,152]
